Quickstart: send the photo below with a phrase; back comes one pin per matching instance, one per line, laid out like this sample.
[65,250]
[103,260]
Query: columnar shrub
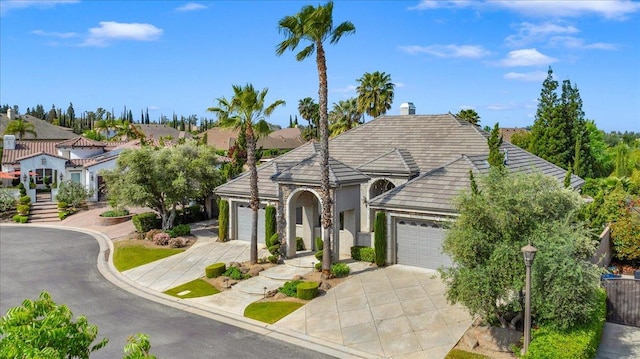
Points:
[23,191]
[144,222]
[380,238]
[300,244]
[223,220]
[161,239]
[24,200]
[269,222]
[273,240]
[215,270]
[307,290]
[318,255]
[24,209]
[319,244]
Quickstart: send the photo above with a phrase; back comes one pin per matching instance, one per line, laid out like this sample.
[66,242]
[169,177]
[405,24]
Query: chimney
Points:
[9,142]
[10,114]
[407,108]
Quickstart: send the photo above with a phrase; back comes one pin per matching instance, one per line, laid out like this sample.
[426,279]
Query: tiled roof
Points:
[308,170]
[155,131]
[395,162]
[35,154]
[80,142]
[432,141]
[44,130]
[286,138]
[508,132]
[28,147]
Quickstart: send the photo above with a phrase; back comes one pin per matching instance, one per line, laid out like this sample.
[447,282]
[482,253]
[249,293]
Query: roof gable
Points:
[81,141]
[308,171]
[395,162]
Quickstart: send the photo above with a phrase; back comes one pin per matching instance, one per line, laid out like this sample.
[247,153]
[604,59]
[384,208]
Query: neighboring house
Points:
[409,166]
[44,130]
[282,140]
[156,131]
[508,132]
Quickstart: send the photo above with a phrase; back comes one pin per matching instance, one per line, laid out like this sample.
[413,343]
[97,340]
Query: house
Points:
[157,131]
[409,166]
[281,140]
[508,132]
[44,130]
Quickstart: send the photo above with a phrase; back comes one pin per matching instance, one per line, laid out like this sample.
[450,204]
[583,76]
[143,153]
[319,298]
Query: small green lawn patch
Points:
[129,255]
[461,354]
[270,312]
[197,288]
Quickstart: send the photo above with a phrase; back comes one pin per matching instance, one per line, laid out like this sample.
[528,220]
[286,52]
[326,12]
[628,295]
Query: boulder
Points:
[272,293]
[255,271]
[496,339]
[244,270]
[325,286]
[280,296]
[469,341]
[233,264]
[297,277]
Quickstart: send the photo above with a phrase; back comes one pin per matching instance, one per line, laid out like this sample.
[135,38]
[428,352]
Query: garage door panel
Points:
[244,223]
[420,244]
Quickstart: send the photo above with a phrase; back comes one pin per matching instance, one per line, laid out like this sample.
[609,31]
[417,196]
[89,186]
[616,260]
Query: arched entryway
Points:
[377,188]
[303,219]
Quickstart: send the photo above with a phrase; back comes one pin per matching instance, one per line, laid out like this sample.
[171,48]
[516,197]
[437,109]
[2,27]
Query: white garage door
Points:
[420,244]
[244,223]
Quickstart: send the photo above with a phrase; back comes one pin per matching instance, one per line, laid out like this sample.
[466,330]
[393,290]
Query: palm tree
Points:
[20,127]
[375,93]
[315,24]
[127,130]
[310,111]
[247,112]
[469,115]
[344,116]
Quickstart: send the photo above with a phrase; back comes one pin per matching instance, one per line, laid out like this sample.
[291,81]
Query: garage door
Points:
[244,223]
[420,244]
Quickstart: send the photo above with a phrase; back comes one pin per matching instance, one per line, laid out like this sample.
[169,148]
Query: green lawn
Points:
[129,255]
[461,354]
[270,312]
[197,288]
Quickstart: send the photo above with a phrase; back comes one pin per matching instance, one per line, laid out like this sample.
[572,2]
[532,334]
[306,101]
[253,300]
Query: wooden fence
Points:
[623,301]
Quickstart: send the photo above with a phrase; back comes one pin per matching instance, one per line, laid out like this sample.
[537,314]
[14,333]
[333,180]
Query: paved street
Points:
[64,264]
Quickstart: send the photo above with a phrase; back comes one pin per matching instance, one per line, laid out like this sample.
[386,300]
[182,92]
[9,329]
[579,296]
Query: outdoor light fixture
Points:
[61,177]
[91,177]
[529,253]
[24,178]
[265,292]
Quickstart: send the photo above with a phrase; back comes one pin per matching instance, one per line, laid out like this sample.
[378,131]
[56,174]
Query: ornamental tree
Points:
[507,212]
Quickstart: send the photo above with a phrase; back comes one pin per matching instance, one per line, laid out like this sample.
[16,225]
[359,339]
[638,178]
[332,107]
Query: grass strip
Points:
[270,312]
[197,288]
[129,255]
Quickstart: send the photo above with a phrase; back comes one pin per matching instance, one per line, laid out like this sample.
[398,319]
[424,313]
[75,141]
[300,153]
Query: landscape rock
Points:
[244,270]
[297,277]
[255,271]
[325,286]
[496,339]
[469,341]
[280,296]
[233,264]
[272,293]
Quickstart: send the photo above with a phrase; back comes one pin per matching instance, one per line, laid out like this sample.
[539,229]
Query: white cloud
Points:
[526,57]
[192,6]
[577,43]
[526,76]
[112,31]
[501,107]
[529,33]
[60,35]
[446,51]
[7,5]
[399,85]
[437,4]
[349,88]
[609,9]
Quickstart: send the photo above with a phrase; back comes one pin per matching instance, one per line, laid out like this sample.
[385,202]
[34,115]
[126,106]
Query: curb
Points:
[110,273]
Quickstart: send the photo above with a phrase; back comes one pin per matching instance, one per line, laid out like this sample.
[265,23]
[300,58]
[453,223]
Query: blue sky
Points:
[179,56]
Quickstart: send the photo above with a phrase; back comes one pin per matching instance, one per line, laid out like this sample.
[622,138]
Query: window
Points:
[299,215]
[41,173]
[75,177]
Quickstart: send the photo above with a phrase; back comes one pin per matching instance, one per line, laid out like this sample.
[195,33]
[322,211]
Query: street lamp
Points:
[529,253]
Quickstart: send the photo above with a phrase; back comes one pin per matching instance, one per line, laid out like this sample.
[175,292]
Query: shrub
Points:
[7,201]
[235,273]
[73,193]
[24,209]
[273,259]
[273,240]
[62,205]
[215,270]
[380,239]
[307,290]
[319,244]
[32,185]
[318,255]
[115,213]
[20,219]
[64,214]
[161,239]
[149,235]
[180,230]
[363,253]
[580,342]
[290,288]
[23,191]
[24,200]
[300,244]
[144,222]
[269,222]
[177,242]
[340,270]
[318,266]
[274,249]
[223,220]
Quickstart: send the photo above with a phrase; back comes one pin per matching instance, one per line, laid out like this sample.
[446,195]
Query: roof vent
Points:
[407,108]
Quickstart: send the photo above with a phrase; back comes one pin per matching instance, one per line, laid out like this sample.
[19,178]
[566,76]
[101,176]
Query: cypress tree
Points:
[496,157]
[380,239]
[223,220]
[567,178]
[474,185]
[269,224]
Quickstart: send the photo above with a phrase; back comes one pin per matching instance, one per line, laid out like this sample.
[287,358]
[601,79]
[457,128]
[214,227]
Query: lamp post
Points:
[528,252]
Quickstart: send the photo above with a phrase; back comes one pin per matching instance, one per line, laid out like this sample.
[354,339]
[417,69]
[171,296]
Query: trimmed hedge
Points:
[20,219]
[307,290]
[318,255]
[24,200]
[180,230]
[380,239]
[223,220]
[580,342]
[363,253]
[340,270]
[269,222]
[144,222]
[274,249]
[273,240]
[215,270]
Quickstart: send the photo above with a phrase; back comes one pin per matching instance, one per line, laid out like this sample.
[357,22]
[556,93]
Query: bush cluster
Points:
[149,235]
[115,213]
[363,253]
[290,288]
[580,342]
[235,273]
[177,242]
[300,244]
[7,201]
[340,270]
[161,239]
[180,230]
[20,219]
[144,222]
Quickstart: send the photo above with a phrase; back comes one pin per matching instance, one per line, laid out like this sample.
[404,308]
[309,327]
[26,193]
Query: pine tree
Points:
[496,157]
[474,185]
[548,134]
[567,178]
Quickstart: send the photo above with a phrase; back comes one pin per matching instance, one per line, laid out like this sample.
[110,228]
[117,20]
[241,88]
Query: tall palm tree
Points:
[247,112]
[310,111]
[20,127]
[375,93]
[469,115]
[344,116]
[315,25]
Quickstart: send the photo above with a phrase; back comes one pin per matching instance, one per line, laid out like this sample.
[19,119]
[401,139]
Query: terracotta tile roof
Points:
[44,130]
[81,142]
[28,147]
